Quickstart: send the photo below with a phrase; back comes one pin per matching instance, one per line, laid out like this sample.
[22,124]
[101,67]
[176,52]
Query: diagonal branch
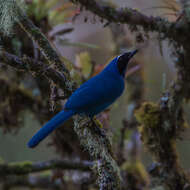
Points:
[29,64]
[44,45]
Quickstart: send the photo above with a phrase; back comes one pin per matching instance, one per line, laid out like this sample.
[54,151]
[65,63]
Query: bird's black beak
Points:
[133,53]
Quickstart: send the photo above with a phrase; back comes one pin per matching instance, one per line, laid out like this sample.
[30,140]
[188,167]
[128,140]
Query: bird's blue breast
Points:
[97,93]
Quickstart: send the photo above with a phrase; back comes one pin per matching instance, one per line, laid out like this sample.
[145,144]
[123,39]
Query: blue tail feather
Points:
[51,125]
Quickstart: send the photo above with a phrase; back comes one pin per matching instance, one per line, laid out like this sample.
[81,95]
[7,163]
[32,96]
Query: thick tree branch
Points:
[99,147]
[23,168]
[130,16]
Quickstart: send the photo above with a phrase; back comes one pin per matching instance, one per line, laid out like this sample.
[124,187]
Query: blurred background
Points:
[86,43]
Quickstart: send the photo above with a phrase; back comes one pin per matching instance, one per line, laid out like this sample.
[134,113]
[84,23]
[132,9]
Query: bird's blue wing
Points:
[94,93]
[84,98]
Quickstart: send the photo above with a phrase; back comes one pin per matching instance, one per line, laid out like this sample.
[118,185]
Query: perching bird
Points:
[91,97]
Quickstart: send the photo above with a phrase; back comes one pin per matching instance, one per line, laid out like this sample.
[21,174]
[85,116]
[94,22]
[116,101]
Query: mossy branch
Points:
[28,167]
[14,15]
[99,148]
[37,68]
[163,123]
[44,45]
[159,134]
[131,17]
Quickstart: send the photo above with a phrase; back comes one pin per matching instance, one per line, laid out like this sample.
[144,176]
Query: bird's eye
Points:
[119,57]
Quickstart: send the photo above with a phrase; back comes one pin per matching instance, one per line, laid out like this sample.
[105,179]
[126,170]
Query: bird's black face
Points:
[123,60]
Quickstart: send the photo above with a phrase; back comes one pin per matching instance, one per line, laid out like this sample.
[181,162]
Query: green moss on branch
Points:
[159,137]
[99,148]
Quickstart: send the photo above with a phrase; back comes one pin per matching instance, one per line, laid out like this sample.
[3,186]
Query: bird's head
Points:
[123,60]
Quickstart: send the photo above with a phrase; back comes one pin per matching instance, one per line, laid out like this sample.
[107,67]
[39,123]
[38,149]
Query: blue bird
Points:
[91,97]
